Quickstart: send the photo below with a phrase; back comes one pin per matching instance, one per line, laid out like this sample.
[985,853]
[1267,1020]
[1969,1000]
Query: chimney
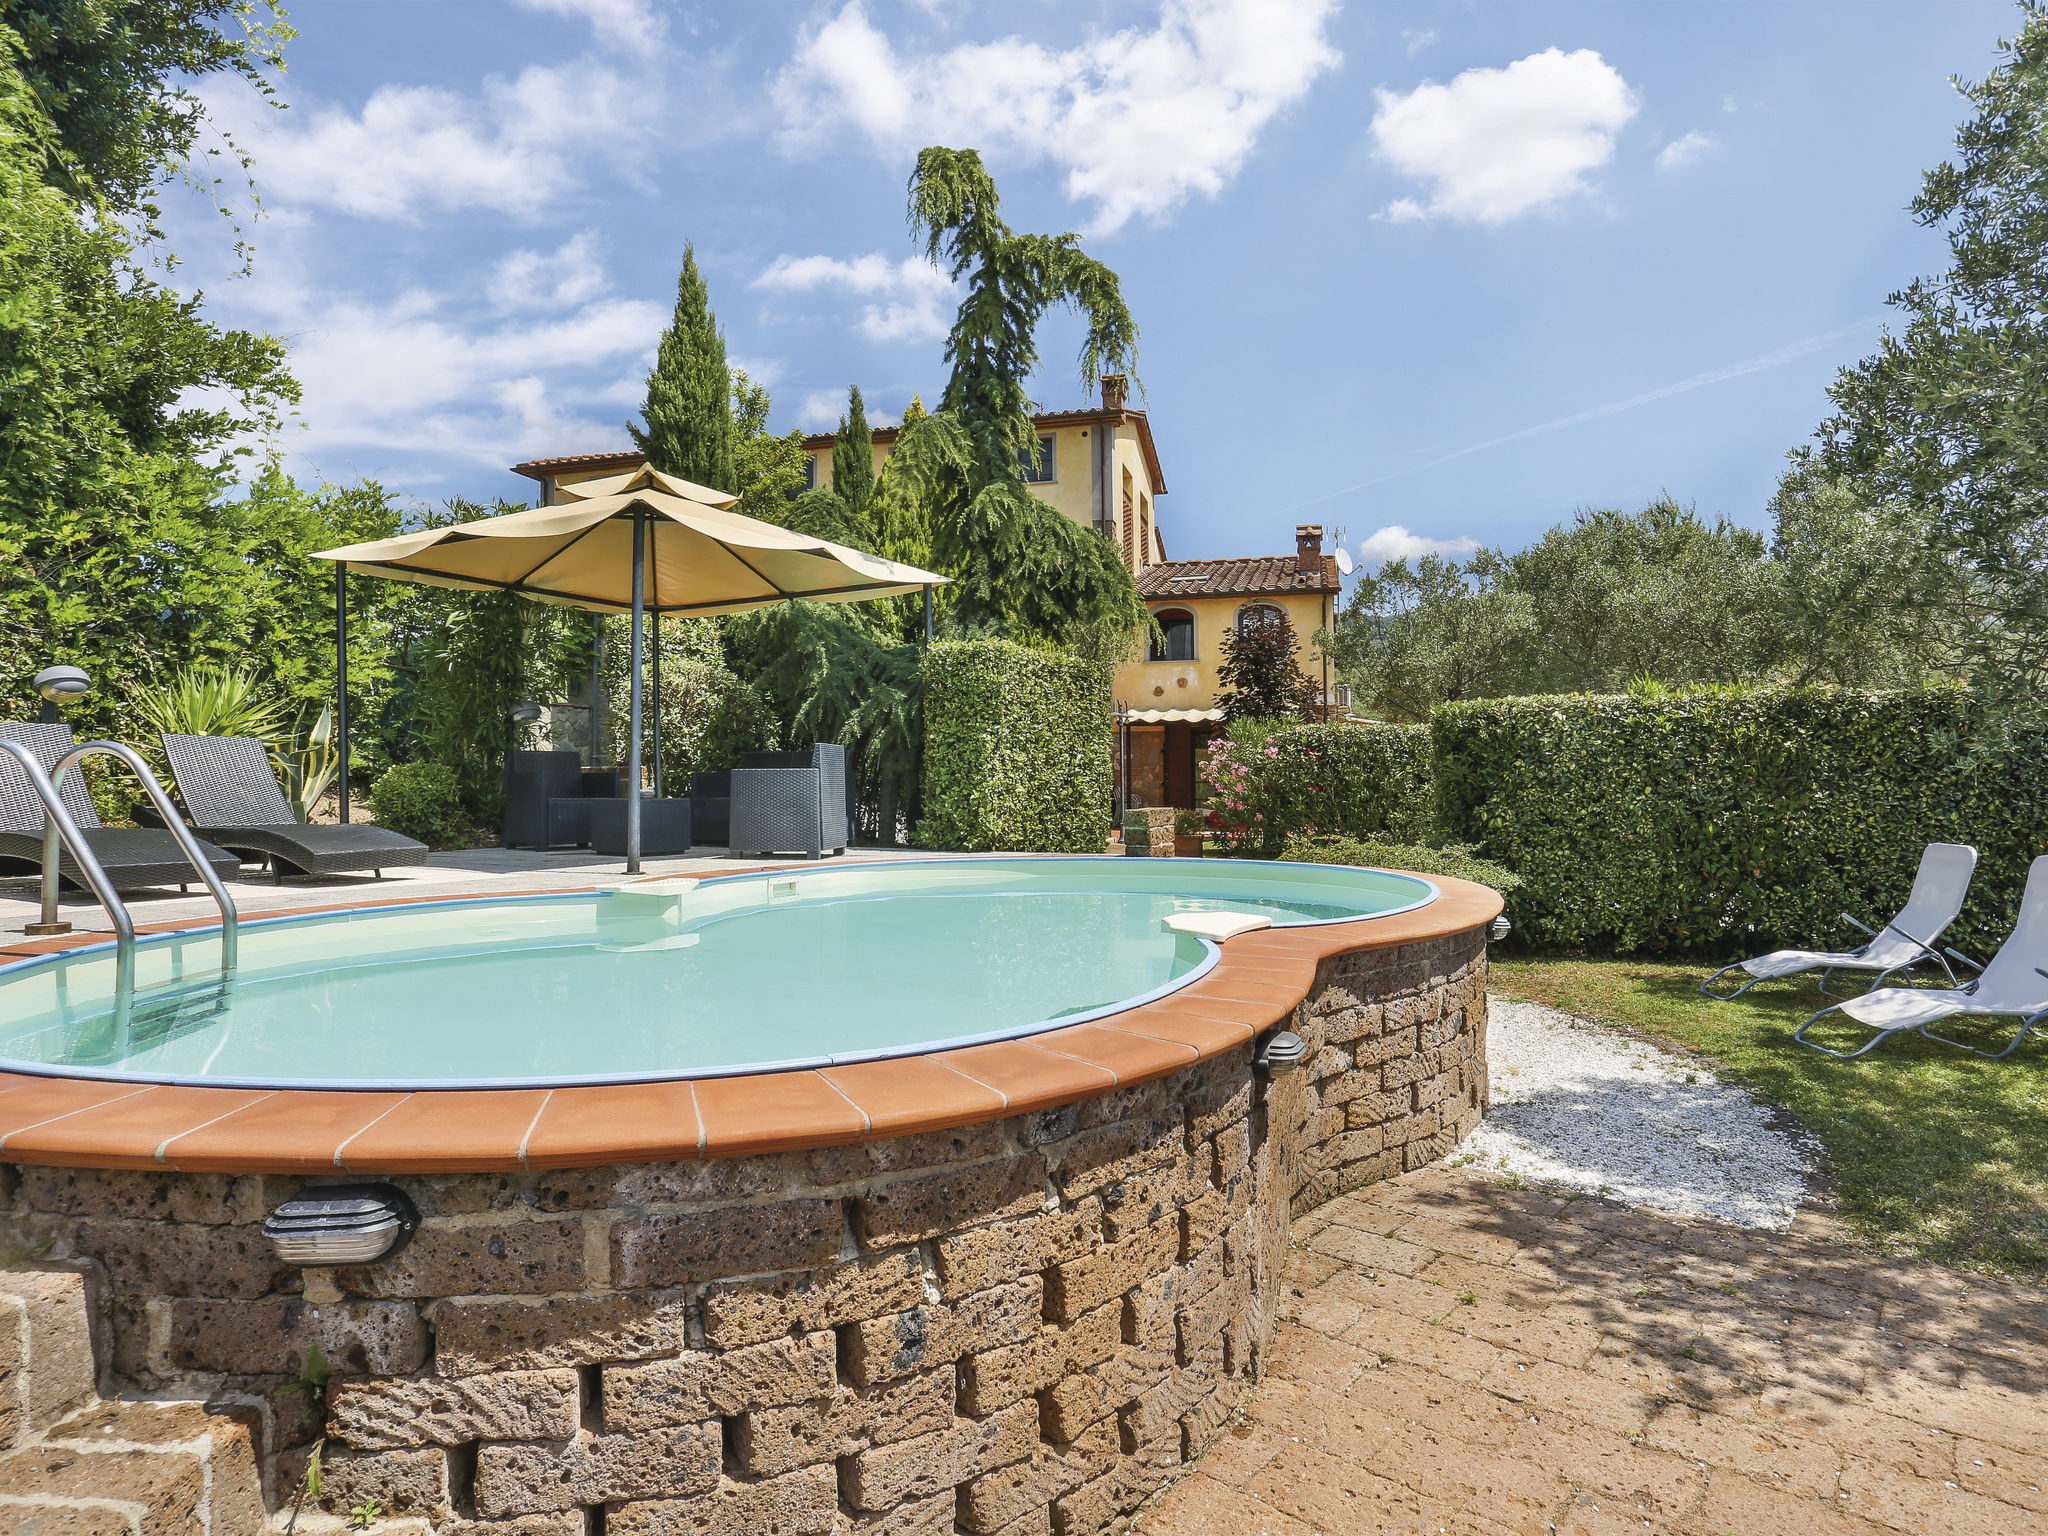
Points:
[1308,547]
[1116,389]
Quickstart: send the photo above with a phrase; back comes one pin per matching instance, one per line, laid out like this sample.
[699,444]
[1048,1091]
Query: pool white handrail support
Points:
[174,822]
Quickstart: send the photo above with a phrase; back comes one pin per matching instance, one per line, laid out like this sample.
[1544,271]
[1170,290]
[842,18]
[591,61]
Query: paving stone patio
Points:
[1460,1357]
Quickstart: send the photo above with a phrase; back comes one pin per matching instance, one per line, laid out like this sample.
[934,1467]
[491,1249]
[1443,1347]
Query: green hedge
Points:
[1724,823]
[422,800]
[1357,780]
[1017,747]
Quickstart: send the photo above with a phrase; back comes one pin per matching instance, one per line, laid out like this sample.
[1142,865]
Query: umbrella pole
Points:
[340,689]
[658,791]
[633,696]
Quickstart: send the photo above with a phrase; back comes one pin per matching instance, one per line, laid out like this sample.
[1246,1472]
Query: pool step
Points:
[73,1465]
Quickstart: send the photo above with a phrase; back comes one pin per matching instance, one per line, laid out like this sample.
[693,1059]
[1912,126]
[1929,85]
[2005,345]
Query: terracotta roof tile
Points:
[540,469]
[1261,575]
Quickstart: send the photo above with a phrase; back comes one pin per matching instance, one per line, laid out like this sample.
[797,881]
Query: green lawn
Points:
[1931,1151]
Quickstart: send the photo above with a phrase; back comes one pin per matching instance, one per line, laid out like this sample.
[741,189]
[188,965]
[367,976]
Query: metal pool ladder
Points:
[59,830]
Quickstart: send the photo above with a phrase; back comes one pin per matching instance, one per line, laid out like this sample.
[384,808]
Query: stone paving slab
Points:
[1458,1358]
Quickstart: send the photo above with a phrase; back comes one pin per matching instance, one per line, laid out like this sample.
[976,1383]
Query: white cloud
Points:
[1728,104]
[559,279]
[1684,151]
[913,297]
[1394,542]
[1498,143]
[1140,119]
[821,409]
[514,148]
[625,24]
[1419,42]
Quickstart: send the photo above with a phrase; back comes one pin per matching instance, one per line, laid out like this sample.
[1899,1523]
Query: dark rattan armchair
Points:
[133,857]
[788,802]
[549,798]
[231,794]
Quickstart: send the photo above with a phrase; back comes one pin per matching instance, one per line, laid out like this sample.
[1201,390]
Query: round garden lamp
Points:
[60,685]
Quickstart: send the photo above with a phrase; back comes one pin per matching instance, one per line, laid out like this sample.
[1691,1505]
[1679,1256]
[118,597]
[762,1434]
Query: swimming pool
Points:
[733,975]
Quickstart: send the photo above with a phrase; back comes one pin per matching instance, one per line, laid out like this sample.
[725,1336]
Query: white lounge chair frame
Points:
[1940,886]
[2013,985]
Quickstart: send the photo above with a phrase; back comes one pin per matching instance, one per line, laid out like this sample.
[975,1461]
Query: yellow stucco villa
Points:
[1100,467]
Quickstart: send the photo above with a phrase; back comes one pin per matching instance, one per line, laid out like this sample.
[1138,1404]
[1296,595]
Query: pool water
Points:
[744,973]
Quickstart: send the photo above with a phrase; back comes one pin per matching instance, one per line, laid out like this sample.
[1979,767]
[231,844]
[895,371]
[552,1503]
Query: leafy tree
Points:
[767,471]
[1947,420]
[1413,638]
[1261,678]
[688,414]
[848,510]
[1014,562]
[118,545]
[116,79]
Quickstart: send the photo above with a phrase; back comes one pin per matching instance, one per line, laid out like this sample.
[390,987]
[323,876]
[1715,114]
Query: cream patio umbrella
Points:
[633,543]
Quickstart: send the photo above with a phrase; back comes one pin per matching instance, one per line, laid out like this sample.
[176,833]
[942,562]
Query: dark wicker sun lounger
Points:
[133,857]
[232,796]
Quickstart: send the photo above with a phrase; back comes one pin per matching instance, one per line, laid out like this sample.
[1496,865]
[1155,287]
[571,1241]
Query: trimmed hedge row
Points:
[1017,747]
[1729,823]
[1357,780]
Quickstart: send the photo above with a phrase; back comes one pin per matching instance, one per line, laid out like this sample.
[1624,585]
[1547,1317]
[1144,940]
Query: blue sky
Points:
[1425,272]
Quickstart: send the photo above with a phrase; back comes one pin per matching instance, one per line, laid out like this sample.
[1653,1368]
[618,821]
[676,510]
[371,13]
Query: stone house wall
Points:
[1027,1325]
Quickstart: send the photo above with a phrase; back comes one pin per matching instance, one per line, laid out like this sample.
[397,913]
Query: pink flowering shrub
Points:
[1269,782]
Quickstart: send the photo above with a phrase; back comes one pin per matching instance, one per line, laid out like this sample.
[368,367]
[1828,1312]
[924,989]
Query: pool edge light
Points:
[331,1225]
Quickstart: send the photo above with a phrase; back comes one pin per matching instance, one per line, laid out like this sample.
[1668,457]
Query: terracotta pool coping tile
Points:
[775,1112]
[1226,1010]
[915,1093]
[449,1131]
[614,1123]
[132,1130]
[1030,1077]
[295,1130]
[1207,1037]
[1133,1058]
[42,1101]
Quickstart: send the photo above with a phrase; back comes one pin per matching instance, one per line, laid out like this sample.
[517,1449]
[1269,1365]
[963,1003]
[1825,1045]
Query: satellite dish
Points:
[1344,564]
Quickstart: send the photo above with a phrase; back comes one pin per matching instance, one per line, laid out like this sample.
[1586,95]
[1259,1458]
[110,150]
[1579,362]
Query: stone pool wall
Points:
[1026,1325]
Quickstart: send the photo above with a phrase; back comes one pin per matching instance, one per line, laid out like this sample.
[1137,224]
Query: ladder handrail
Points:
[174,821]
[57,823]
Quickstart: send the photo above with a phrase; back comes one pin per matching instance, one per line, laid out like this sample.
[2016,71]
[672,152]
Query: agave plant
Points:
[310,765]
[213,701]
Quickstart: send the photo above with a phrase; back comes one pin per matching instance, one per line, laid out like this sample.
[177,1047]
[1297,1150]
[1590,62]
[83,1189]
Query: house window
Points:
[1038,466]
[1254,615]
[810,471]
[1176,638]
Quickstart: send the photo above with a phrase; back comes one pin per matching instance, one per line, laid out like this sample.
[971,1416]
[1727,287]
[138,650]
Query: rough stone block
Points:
[372,1338]
[1140,1102]
[885,1475]
[473,1334]
[773,1440]
[886,1347]
[712,1181]
[1083,1284]
[1090,1160]
[702,1385]
[567,1522]
[595,1469]
[158,1258]
[982,1257]
[913,1209]
[902,1154]
[403,1482]
[46,1357]
[1223,1098]
[1205,1319]
[993,1500]
[513,1258]
[203,1198]
[1233,1154]
[996,1378]
[383,1413]
[670,1249]
[802,1503]
[749,1311]
[1144,1198]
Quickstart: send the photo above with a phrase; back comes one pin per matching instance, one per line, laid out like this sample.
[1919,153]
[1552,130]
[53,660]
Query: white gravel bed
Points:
[1582,1106]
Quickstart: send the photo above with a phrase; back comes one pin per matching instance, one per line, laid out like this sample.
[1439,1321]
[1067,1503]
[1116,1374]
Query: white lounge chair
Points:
[2013,986]
[1937,896]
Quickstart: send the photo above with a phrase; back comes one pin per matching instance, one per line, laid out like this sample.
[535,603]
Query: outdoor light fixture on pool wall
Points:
[1499,928]
[1279,1053]
[334,1224]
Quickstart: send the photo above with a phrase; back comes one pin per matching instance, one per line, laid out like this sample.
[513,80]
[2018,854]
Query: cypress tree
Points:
[689,427]
[853,462]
